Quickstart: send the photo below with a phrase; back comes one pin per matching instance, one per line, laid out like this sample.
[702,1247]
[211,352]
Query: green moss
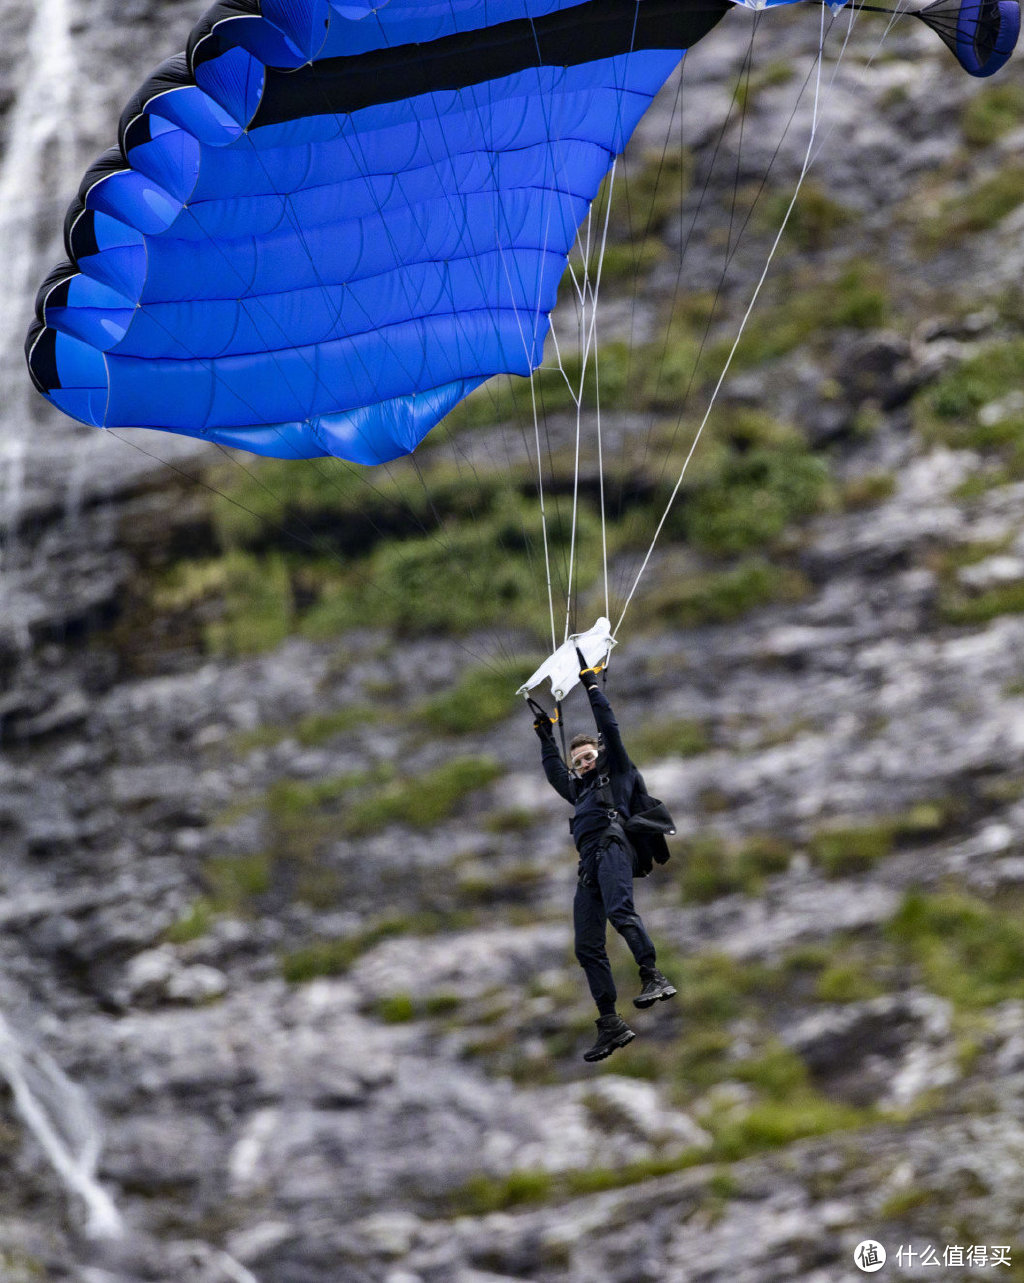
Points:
[867,491]
[947,412]
[816,219]
[334,957]
[842,850]
[396,1009]
[484,1194]
[720,597]
[856,298]
[319,728]
[755,498]
[671,737]
[775,1124]
[321,958]
[1006,599]
[233,882]
[519,883]
[854,849]
[478,700]
[707,872]
[645,198]
[511,819]
[422,800]
[992,112]
[846,983]
[897,1206]
[712,867]
[966,950]
[777,1072]
[193,925]
[250,598]
[978,209]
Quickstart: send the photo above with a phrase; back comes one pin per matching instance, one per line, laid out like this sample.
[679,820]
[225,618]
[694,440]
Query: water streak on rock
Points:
[60,1117]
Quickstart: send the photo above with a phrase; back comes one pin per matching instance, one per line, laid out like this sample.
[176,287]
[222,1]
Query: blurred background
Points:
[286,982]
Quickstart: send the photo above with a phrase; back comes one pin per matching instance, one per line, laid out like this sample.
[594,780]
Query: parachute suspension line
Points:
[742,326]
[543,513]
[536,435]
[854,9]
[597,390]
[811,73]
[686,239]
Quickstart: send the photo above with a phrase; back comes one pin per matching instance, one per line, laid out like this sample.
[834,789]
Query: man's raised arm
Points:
[608,727]
[554,768]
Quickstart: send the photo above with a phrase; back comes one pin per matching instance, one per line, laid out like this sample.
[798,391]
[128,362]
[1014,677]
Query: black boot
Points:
[612,1033]
[656,988]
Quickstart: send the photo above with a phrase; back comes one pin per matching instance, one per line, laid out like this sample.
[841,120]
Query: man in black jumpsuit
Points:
[600,789]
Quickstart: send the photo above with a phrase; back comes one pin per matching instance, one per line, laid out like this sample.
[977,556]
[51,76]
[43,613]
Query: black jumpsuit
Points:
[604,891]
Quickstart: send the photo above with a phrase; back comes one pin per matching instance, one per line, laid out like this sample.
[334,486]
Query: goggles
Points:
[582,759]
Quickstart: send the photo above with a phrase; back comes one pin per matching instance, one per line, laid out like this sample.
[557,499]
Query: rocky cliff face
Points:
[286,987]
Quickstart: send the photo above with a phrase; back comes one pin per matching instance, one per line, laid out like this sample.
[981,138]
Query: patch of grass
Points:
[1005,599]
[484,1194]
[420,801]
[713,867]
[816,219]
[247,600]
[672,737]
[510,819]
[234,882]
[481,698]
[334,957]
[992,112]
[396,1009]
[948,411]
[868,490]
[193,925]
[754,499]
[319,728]
[518,884]
[472,574]
[967,951]
[980,208]
[775,1124]
[857,298]
[644,198]
[845,982]
[720,597]
[842,850]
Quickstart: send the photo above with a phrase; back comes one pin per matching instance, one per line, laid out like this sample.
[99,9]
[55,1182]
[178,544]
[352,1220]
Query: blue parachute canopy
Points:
[329,220]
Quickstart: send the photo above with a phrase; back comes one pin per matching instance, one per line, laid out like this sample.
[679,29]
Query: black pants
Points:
[604,894]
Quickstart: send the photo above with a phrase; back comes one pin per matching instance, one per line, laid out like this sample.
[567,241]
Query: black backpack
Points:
[646,828]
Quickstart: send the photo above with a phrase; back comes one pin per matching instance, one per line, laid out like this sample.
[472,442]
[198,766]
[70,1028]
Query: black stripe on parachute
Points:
[567,38]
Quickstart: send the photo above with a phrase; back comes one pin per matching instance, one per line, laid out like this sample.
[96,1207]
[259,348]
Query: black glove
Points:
[541,722]
[588,675]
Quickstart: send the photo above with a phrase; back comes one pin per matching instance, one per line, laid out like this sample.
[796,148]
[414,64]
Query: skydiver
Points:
[601,787]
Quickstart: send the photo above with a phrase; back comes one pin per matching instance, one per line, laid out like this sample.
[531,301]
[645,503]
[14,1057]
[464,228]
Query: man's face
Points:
[584,758]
